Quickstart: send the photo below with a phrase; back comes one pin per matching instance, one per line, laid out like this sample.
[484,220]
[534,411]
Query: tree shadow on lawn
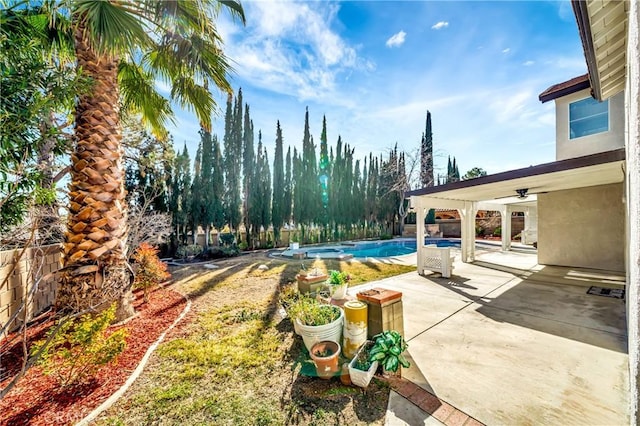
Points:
[210,284]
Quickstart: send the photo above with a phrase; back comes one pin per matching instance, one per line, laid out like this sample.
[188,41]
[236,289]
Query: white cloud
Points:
[440,25]
[292,49]
[528,63]
[507,50]
[396,40]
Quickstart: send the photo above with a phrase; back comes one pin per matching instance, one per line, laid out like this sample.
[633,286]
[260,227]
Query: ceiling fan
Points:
[522,193]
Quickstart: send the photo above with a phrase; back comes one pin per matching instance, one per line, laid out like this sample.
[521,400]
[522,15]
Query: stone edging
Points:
[431,404]
[136,373]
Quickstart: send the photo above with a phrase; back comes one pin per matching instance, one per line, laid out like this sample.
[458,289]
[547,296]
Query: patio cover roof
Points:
[590,170]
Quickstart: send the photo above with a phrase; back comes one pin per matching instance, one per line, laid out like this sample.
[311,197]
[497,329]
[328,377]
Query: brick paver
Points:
[426,401]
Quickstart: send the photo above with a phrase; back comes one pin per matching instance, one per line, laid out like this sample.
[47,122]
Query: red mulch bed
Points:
[38,400]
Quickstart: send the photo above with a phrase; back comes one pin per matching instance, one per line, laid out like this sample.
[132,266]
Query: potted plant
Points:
[338,283]
[317,322]
[361,368]
[325,356]
[292,302]
[387,350]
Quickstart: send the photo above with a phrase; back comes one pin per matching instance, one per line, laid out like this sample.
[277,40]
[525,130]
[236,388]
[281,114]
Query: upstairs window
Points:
[588,117]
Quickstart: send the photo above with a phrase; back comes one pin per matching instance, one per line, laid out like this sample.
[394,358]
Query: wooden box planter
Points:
[311,283]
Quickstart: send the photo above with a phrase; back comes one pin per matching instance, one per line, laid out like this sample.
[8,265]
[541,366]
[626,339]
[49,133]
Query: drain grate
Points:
[618,293]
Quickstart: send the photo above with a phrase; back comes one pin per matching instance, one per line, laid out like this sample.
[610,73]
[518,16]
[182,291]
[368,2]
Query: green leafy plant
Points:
[77,349]
[388,349]
[337,278]
[497,232]
[150,270]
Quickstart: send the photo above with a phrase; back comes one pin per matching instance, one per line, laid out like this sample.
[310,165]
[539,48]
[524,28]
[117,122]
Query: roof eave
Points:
[584,28]
[571,163]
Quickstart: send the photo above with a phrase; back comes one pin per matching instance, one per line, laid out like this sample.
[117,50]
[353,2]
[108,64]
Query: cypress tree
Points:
[260,213]
[217,186]
[426,163]
[232,161]
[180,195]
[196,196]
[324,171]
[426,155]
[265,193]
[277,205]
[248,163]
[297,187]
[207,206]
[308,184]
[286,206]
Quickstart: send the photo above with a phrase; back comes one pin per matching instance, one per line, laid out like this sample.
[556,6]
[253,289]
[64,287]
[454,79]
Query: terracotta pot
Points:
[325,355]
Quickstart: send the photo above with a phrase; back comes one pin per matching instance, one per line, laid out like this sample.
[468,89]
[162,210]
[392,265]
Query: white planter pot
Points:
[312,334]
[339,292]
[359,377]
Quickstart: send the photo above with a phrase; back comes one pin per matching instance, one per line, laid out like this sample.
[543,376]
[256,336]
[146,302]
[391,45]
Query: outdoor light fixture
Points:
[522,193]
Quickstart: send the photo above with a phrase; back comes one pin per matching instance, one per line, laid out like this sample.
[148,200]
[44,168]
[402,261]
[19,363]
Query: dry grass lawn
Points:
[236,360]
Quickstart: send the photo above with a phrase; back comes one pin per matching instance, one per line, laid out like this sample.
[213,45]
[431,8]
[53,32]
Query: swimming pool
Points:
[364,249]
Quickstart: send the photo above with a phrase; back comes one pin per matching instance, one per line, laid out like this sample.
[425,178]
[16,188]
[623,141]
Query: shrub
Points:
[150,271]
[497,232]
[227,239]
[79,348]
[386,237]
[243,245]
[184,252]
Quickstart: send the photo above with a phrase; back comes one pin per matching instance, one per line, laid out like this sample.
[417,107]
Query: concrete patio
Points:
[507,341]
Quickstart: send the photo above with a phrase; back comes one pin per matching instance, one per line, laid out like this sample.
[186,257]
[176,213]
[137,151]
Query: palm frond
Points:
[111,26]
[139,96]
[236,9]
[194,97]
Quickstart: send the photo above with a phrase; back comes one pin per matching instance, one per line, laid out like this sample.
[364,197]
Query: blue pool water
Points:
[392,247]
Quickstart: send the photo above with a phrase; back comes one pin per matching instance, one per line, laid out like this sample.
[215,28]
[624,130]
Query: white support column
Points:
[505,216]
[468,231]
[530,231]
[420,217]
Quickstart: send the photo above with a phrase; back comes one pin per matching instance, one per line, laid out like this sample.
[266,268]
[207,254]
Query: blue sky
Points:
[375,67]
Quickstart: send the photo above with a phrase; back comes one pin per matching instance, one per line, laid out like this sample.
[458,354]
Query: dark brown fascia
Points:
[584,29]
[541,169]
[565,88]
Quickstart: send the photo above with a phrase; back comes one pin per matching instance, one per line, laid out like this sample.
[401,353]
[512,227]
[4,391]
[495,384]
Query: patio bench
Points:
[435,259]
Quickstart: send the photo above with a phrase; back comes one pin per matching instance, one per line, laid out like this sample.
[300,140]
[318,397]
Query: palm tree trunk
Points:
[96,271]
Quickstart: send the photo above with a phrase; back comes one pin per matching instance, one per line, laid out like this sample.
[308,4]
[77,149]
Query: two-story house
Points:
[587,202]
[584,226]
[574,206]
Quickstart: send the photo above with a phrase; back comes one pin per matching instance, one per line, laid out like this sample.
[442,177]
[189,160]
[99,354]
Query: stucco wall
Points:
[600,142]
[582,228]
